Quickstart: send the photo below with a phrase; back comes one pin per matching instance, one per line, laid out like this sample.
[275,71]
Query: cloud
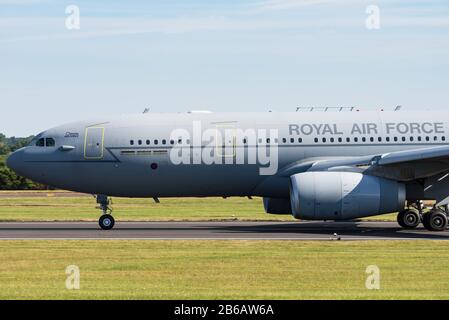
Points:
[416,22]
[53,28]
[270,5]
[20,2]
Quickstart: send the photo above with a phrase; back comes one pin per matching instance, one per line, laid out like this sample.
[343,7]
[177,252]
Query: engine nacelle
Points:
[343,195]
[277,205]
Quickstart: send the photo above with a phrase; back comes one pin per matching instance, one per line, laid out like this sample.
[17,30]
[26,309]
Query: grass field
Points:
[83,209]
[224,269]
[206,269]
[50,208]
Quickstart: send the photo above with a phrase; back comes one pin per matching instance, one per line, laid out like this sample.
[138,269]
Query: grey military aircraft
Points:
[313,165]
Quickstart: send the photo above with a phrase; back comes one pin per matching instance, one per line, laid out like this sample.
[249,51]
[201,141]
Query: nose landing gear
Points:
[106,221]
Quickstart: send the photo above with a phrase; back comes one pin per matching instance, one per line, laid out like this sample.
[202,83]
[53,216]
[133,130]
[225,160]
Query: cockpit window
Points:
[40,142]
[45,142]
[50,142]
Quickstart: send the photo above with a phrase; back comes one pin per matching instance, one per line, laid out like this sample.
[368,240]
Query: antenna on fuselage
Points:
[146,110]
[325,109]
[398,108]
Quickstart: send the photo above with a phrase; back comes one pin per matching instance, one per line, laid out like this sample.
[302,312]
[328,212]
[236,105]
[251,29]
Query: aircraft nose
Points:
[15,161]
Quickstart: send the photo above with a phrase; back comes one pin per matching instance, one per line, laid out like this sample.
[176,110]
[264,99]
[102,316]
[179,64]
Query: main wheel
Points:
[408,219]
[106,222]
[435,220]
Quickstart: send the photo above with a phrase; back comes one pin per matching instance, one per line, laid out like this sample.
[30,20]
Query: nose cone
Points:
[15,161]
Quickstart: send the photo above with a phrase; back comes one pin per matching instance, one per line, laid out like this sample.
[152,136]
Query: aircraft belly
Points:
[140,180]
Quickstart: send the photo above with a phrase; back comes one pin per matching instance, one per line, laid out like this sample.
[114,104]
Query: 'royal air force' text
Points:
[367,128]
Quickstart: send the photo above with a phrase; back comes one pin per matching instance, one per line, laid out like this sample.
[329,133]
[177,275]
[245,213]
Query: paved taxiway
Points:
[217,230]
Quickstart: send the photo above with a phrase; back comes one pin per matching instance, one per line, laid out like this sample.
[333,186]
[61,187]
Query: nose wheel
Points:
[106,221]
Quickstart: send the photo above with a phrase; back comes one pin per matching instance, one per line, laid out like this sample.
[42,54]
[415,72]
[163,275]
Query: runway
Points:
[218,231]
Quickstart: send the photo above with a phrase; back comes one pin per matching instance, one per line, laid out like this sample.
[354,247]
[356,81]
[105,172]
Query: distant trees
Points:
[9,180]
[4,148]
[8,145]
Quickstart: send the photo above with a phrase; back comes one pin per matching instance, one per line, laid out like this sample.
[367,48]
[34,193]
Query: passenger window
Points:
[156,142]
[300,140]
[396,139]
[403,139]
[284,140]
[379,139]
[50,142]
[427,139]
[164,141]
[411,139]
[348,139]
[364,139]
[292,140]
[324,139]
[172,141]
[140,142]
[340,140]
[332,140]
[148,142]
[40,142]
[443,138]
[356,139]
[316,140]
[131,142]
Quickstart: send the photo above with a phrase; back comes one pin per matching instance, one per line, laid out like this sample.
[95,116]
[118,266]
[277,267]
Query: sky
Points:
[180,55]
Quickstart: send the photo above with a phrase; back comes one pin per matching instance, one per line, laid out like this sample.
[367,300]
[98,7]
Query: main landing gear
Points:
[435,219]
[409,218]
[106,221]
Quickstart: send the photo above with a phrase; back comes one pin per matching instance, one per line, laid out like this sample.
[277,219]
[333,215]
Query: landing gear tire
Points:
[408,219]
[106,222]
[435,220]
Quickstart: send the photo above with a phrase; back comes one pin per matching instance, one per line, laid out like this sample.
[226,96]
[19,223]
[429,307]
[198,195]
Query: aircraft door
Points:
[94,143]
[225,140]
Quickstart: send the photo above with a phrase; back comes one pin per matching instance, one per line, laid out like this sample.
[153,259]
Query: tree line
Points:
[12,144]
[9,180]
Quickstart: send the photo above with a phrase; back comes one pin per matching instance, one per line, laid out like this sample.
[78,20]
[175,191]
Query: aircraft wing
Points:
[434,154]
[401,165]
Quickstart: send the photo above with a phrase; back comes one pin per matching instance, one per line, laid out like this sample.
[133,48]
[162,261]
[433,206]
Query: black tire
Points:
[408,219]
[435,220]
[106,222]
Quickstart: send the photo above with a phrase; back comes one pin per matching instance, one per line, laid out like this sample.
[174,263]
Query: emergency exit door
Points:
[225,140]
